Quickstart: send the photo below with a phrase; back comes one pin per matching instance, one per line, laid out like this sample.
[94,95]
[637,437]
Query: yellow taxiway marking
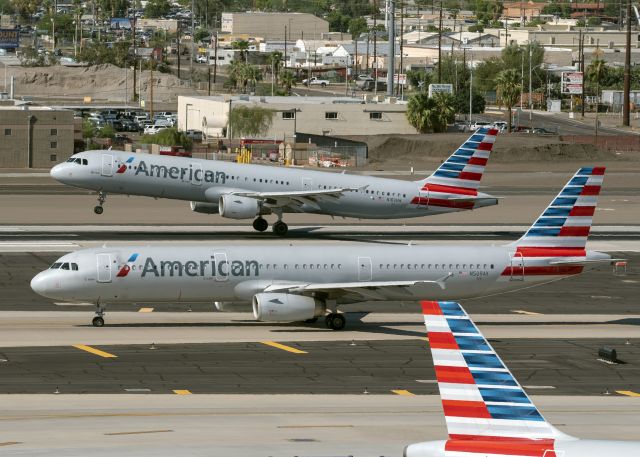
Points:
[95,351]
[402,392]
[528,313]
[423,338]
[137,433]
[628,393]
[182,392]
[145,310]
[284,347]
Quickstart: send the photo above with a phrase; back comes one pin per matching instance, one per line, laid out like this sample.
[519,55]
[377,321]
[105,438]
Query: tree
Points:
[430,114]
[419,79]
[254,121]
[287,80]
[596,72]
[357,26]
[251,75]
[508,85]
[157,8]
[275,63]
[169,137]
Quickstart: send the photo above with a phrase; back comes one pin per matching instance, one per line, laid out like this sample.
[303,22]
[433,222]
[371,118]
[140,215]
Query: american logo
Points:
[124,271]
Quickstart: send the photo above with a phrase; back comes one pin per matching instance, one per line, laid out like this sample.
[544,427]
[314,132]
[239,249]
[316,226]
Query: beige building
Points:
[611,39]
[35,136]
[271,26]
[316,115]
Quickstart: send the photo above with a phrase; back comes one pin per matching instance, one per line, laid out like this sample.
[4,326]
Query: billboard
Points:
[572,82]
[9,38]
[120,23]
[437,88]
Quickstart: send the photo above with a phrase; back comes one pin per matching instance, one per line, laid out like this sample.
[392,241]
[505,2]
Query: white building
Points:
[317,115]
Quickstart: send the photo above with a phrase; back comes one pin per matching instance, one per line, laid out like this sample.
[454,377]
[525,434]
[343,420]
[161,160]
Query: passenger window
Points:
[297,266]
[325,266]
[408,266]
[304,266]
[310,266]
[485,266]
[492,266]
[436,266]
[339,266]
[464,266]
[457,266]
[429,266]
[286,266]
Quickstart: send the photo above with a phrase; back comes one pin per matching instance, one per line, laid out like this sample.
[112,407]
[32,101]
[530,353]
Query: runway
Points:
[554,366]
[262,426]
[182,379]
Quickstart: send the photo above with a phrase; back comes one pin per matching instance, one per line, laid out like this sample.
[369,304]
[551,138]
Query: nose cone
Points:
[57,172]
[40,283]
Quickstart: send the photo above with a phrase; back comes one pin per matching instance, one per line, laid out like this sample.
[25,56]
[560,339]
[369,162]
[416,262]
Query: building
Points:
[273,25]
[522,10]
[315,115]
[35,136]
[570,38]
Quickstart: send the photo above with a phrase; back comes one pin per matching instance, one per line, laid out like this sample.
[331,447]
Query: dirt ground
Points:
[101,82]
[393,152]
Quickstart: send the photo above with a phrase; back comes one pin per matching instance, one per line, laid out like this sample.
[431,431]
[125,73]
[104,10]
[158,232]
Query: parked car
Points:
[315,81]
[371,85]
[478,124]
[153,129]
[195,135]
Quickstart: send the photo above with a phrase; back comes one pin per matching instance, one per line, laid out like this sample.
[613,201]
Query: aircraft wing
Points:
[367,289]
[302,197]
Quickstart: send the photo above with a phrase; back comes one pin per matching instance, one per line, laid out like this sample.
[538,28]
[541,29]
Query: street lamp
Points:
[53,34]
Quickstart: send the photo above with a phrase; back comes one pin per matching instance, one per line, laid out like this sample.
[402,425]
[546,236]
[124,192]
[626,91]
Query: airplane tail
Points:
[562,229]
[486,409]
[461,173]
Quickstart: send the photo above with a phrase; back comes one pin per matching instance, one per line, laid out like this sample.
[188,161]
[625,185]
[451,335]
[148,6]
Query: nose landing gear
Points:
[98,320]
[101,198]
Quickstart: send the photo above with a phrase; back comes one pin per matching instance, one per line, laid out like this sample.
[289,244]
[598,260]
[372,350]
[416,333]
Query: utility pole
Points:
[375,47]
[151,90]
[209,79]
[285,47]
[135,60]
[401,68]
[215,60]
[530,89]
[581,48]
[627,71]
[193,41]
[440,46]
[391,57]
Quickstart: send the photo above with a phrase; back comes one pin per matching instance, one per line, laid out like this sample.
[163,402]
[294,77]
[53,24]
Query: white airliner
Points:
[240,191]
[488,414]
[296,283]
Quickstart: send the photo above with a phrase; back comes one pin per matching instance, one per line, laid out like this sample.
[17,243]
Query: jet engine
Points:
[278,307]
[232,306]
[238,207]
[206,208]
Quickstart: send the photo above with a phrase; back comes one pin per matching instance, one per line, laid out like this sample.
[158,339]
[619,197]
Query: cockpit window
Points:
[71,159]
[74,266]
[65,266]
[85,162]
[55,266]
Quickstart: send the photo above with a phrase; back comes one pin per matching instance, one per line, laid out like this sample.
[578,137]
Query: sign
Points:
[439,88]
[572,82]
[9,38]
[400,78]
[120,23]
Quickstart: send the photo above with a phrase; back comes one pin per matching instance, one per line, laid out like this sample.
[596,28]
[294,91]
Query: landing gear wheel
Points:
[280,228]
[337,322]
[98,209]
[328,320]
[313,320]
[98,321]
[260,224]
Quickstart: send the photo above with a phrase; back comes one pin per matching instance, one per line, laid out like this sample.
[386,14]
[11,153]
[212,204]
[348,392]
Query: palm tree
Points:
[235,73]
[430,114]
[275,62]
[596,71]
[251,75]
[288,80]
[508,86]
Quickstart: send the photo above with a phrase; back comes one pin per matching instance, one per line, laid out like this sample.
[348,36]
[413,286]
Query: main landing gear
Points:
[98,209]
[98,320]
[335,321]
[260,224]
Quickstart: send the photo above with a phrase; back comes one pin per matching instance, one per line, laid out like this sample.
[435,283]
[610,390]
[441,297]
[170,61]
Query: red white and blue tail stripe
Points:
[484,406]
[464,168]
[566,222]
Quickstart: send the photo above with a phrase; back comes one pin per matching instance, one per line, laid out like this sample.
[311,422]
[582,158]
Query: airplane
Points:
[299,283]
[242,191]
[486,410]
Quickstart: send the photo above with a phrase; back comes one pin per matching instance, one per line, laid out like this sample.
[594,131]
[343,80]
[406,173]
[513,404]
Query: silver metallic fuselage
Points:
[236,273]
[205,181]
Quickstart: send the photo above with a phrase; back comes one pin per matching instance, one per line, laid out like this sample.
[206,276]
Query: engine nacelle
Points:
[238,207]
[232,306]
[278,307]
[206,208]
